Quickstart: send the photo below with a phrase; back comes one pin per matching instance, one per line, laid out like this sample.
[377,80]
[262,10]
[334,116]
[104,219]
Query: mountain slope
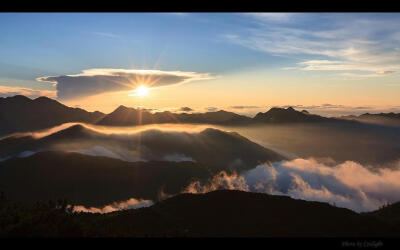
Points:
[216,214]
[19,114]
[216,149]
[92,180]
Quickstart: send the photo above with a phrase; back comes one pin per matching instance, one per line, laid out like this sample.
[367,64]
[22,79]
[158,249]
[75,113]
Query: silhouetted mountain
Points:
[216,214]
[19,113]
[124,116]
[387,119]
[214,148]
[289,115]
[92,180]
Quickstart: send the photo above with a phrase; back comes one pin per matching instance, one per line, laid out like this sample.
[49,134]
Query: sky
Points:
[328,63]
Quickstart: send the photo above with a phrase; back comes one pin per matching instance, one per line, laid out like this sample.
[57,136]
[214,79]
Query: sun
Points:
[141,91]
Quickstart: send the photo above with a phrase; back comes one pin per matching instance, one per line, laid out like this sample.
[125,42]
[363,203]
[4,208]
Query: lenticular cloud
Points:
[97,81]
[348,185]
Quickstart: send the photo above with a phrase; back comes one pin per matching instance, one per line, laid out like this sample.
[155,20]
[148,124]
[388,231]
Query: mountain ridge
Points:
[21,114]
[221,213]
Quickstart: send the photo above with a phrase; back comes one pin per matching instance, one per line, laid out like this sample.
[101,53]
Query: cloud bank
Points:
[348,185]
[128,204]
[6,91]
[97,81]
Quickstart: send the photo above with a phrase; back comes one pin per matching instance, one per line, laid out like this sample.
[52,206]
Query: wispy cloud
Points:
[357,45]
[273,16]
[106,34]
[245,107]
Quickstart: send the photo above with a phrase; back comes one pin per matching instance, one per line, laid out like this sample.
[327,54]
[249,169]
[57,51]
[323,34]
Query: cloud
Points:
[245,107]
[350,185]
[116,153]
[106,34]
[186,109]
[211,109]
[274,16]
[327,106]
[6,91]
[115,206]
[220,181]
[355,44]
[178,158]
[97,81]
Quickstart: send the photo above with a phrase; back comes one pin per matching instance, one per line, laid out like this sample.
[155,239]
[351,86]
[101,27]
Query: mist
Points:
[132,203]
[364,143]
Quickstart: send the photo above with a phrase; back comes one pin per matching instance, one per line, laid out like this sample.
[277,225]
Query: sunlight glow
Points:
[141,91]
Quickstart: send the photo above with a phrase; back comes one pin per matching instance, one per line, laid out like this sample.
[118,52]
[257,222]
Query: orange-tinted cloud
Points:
[6,91]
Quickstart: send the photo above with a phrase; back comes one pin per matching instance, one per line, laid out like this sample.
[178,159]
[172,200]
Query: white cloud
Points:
[350,185]
[344,44]
[115,206]
[273,16]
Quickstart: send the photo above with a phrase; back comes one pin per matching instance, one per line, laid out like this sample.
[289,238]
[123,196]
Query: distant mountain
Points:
[92,180]
[289,115]
[387,119]
[222,213]
[19,114]
[123,116]
[214,148]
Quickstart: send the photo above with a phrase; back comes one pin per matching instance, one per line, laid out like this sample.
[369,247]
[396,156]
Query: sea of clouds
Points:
[349,184]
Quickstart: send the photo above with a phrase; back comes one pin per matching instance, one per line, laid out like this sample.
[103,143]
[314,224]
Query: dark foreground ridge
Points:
[223,213]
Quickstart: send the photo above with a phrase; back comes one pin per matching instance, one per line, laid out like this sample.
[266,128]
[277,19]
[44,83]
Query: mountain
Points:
[19,114]
[93,180]
[223,213]
[386,119]
[123,116]
[289,115]
[218,150]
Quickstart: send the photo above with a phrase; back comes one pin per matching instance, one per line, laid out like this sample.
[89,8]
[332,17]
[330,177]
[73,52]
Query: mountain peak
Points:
[18,98]
[277,115]
[122,108]
[290,109]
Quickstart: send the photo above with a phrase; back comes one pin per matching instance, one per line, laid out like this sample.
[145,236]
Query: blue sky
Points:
[264,53]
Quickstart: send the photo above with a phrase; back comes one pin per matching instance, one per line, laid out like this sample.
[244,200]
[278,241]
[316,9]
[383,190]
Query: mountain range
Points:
[21,114]
[387,119]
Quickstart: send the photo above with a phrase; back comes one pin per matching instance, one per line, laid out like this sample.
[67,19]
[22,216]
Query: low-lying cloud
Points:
[97,81]
[350,185]
[6,91]
[128,204]
[186,109]
[245,107]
